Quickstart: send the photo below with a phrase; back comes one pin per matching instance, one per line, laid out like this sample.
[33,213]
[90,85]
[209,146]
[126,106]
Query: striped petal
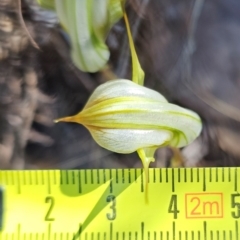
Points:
[122,87]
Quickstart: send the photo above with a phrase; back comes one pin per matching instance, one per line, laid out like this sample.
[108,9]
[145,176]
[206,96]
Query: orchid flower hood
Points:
[125,117]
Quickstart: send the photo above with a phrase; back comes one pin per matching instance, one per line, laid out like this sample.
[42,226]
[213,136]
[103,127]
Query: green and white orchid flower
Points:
[125,117]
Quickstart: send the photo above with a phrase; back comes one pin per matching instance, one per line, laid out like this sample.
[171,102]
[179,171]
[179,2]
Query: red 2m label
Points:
[204,205]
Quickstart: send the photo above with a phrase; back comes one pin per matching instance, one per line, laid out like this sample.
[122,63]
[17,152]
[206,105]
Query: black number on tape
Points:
[112,199]
[51,201]
[173,206]
[235,204]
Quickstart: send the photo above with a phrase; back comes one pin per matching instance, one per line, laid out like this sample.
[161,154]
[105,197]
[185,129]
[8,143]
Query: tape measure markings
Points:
[27,178]
[205,234]
[195,185]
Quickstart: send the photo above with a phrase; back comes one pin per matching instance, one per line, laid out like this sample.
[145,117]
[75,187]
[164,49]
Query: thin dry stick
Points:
[19,11]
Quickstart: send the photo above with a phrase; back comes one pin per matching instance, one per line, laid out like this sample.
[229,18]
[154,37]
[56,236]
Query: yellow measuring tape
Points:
[184,204]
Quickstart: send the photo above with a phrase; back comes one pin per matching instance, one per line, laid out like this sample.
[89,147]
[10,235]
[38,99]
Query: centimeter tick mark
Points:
[79,182]
[179,174]
[185,175]
[110,185]
[98,178]
[223,175]
[224,235]
[180,235]
[197,174]
[142,189]
[199,235]
[135,175]
[160,175]
[154,175]
[48,182]
[142,230]
[129,176]
[235,180]
[73,177]
[211,235]
[191,174]
[204,180]
[205,230]
[123,176]
[173,230]
[173,184]
[116,176]
[166,173]
[229,174]
[67,178]
[91,172]
[216,175]
[104,176]
[111,230]
[236,230]
[85,177]
[210,175]
[49,231]
[192,235]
